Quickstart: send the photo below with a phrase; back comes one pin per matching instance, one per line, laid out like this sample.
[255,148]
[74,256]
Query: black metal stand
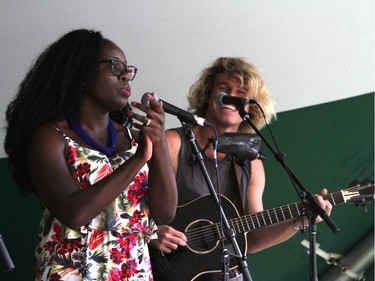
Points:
[5,259]
[230,233]
[304,195]
[312,248]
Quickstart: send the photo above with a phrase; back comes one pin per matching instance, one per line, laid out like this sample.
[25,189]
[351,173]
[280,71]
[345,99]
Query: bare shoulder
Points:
[46,142]
[47,165]
[174,145]
[47,135]
[257,166]
[172,134]
[174,140]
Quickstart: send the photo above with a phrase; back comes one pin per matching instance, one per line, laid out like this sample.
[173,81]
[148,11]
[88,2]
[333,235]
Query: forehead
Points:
[226,79]
[111,50]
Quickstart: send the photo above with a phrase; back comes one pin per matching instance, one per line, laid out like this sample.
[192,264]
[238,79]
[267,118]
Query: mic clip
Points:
[243,146]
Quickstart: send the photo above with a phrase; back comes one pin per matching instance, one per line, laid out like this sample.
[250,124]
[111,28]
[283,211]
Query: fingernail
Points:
[133,103]
[130,113]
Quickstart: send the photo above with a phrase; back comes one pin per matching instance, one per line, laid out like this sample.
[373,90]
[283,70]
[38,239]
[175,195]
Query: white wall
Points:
[310,52]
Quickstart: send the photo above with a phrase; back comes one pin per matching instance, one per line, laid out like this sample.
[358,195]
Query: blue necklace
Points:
[80,132]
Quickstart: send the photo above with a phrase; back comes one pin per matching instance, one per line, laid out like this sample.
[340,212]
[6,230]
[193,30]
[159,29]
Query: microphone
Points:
[223,98]
[181,114]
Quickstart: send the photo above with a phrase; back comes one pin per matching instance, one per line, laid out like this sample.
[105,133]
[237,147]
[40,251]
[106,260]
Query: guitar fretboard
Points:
[291,211]
[357,194]
[276,215]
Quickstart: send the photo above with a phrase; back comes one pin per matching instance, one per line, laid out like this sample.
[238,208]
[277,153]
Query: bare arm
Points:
[272,235]
[75,207]
[162,183]
[60,192]
[169,238]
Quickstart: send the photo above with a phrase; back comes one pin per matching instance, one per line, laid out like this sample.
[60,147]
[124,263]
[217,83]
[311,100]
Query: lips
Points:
[125,90]
[229,107]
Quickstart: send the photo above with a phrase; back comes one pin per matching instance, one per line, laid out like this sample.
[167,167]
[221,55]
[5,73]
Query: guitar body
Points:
[200,221]
[203,253]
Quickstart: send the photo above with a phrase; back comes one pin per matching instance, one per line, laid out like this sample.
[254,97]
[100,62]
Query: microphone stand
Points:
[230,233]
[5,258]
[304,195]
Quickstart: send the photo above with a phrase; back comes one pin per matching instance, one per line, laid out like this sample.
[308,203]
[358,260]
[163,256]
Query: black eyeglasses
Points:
[118,68]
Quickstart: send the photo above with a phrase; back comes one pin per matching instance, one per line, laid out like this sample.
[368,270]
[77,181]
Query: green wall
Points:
[327,145]
[19,225]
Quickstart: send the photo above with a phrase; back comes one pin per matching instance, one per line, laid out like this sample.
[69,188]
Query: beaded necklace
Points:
[80,132]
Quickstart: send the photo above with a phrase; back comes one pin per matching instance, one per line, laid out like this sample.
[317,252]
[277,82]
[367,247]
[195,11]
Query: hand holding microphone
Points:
[150,125]
[221,99]
[181,114]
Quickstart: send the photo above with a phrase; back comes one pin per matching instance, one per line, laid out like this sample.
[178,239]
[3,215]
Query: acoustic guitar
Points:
[200,222]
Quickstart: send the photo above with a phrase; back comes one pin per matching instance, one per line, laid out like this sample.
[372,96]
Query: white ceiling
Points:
[310,52]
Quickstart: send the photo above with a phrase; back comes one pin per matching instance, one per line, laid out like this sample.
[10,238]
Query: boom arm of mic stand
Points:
[308,196]
[240,258]
[316,209]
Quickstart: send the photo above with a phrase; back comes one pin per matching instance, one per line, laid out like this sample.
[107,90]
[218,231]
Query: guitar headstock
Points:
[360,194]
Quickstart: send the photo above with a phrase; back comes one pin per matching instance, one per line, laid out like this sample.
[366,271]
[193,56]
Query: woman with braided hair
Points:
[71,142]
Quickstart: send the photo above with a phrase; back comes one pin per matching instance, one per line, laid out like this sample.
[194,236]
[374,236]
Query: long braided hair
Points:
[52,89]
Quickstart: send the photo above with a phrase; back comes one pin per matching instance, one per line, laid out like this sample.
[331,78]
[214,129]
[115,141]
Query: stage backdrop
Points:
[327,145]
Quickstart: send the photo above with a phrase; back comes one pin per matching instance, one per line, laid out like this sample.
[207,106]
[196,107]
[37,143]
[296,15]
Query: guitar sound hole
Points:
[202,236]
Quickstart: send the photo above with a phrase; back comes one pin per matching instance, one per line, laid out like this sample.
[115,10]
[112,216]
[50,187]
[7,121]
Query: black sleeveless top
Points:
[191,182]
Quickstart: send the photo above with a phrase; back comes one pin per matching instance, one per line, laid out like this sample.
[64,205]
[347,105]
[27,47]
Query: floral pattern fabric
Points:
[113,246]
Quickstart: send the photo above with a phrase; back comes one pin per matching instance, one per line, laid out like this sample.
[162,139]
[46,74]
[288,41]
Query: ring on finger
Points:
[148,122]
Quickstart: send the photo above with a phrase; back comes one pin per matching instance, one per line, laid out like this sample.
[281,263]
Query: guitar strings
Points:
[211,232]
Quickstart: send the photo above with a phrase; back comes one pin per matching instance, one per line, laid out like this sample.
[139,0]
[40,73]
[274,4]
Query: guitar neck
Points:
[279,214]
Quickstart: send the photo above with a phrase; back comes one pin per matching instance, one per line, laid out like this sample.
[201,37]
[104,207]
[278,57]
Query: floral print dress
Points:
[113,246]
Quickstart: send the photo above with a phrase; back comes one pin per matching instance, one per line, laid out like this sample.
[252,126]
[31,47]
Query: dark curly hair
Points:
[52,89]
